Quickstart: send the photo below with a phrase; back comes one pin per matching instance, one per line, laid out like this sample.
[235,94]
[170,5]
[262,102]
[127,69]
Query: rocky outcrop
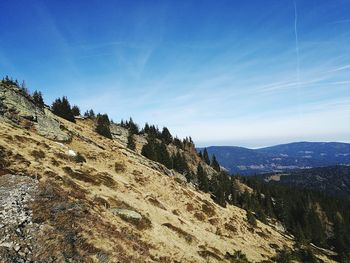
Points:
[19,109]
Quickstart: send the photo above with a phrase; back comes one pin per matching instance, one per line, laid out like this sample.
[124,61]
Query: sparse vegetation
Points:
[209,254]
[38,154]
[181,233]
[79,158]
[119,167]
[251,218]
[237,257]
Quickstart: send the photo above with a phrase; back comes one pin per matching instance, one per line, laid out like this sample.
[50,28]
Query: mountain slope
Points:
[114,206]
[281,157]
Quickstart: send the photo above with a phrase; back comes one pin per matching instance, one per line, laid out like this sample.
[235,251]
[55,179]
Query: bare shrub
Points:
[200,216]
[209,254]
[208,208]
[230,227]
[119,167]
[181,233]
[38,154]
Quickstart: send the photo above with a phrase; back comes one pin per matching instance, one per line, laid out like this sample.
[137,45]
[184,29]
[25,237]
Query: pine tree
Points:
[200,155]
[131,142]
[146,128]
[148,150]
[179,163]
[38,99]
[102,126]
[177,142]
[215,164]
[76,110]
[163,156]
[166,136]
[206,156]
[133,128]
[89,114]
[203,182]
[62,108]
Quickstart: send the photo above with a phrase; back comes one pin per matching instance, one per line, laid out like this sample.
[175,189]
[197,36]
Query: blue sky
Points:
[248,73]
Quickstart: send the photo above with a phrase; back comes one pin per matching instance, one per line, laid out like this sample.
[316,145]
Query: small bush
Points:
[230,227]
[38,154]
[79,158]
[208,208]
[55,162]
[188,237]
[208,254]
[200,216]
[251,219]
[238,257]
[119,167]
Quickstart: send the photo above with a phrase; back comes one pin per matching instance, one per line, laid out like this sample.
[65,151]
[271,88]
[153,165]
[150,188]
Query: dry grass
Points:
[94,179]
[62,240]
[181,233]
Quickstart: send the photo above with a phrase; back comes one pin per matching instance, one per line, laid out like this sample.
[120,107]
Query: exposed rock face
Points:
[18,109]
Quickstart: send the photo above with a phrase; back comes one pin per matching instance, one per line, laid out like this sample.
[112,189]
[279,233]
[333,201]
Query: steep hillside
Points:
[283,157]
[68,194]
[333,180]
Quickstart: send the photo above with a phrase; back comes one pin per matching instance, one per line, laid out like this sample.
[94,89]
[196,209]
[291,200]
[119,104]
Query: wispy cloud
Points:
[340,68]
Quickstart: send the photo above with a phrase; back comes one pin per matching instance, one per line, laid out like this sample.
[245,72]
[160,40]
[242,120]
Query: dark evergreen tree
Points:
[202,177]
[102,126]
[179,163]
[131,142]
[177,142]
[76,110]
[215,164]
[166,136]
[206,156]
[133,127]
[89,114]
[38,99]
[163,155]
[62,108]
[146,128]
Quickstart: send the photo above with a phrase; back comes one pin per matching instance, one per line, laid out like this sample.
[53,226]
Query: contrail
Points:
[298,59]
[296,39]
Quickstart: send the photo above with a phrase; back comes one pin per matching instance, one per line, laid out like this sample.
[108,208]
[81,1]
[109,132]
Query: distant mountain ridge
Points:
[283,157]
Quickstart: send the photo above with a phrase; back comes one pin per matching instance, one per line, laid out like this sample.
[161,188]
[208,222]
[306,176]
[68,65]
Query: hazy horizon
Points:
[246,73]
[264,146]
